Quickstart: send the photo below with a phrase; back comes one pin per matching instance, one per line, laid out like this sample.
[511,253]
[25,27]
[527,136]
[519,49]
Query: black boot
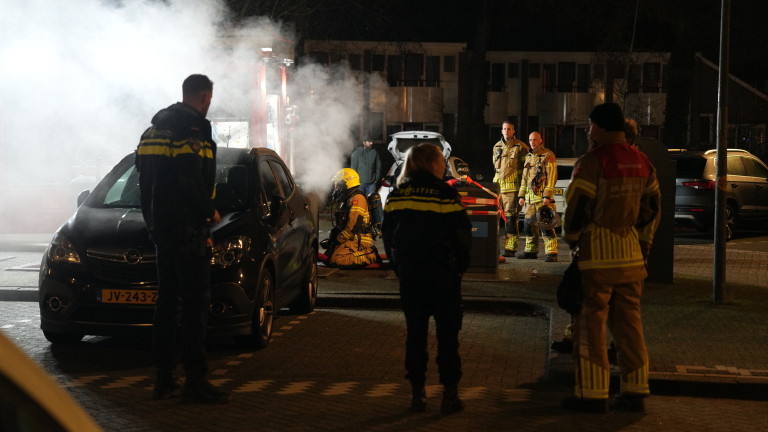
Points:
[564,346]
[509,253]
[628,402]
[418,398]
[166,385]
[451,402]
[528,255]
[599,406]
[199,390]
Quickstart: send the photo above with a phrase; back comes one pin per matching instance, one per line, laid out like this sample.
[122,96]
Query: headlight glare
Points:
[62,250]
[230,251]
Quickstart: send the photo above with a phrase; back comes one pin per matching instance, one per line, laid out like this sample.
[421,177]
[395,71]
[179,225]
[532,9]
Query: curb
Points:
[19,294]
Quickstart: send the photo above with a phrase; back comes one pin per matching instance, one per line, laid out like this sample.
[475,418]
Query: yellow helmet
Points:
[348,177]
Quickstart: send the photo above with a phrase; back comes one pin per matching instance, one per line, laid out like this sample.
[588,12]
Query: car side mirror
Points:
[82,197]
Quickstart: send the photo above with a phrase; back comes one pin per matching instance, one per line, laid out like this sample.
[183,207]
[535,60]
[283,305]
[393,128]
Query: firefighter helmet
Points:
[346,178]
[546,218]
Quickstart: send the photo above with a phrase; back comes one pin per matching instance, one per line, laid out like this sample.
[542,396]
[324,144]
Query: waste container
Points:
[484,215]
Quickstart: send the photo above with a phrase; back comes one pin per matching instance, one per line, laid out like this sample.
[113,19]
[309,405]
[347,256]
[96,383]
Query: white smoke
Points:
[81,79]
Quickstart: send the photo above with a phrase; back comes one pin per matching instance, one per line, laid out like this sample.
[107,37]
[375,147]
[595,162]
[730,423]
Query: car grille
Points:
[112,267]
[114,315]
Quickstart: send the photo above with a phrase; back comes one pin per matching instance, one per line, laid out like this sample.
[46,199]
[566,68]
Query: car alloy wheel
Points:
[265,312]
[730,223]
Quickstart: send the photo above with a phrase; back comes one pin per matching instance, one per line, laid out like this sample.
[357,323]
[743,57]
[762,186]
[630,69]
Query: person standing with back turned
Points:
[612,209]
[176,160]
[427,235]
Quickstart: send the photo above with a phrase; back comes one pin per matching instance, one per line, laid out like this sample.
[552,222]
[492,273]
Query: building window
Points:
[635,73]
[377,62]
[414,68]
[393,129]
[664,78]
[651,77]
[513,70]
[432,75]
[533,124]
[582,78]
[394,70]
[566,76]
[355,62]
[449,64]
[534,70]
[497,77]
[377,125]
[550,74]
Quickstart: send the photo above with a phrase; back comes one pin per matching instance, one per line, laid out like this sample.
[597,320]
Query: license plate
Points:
[558,191]
[128,296]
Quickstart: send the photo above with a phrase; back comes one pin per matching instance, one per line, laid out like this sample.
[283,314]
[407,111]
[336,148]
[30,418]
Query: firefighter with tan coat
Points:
[352,236]
[508,156]
[612,211]
[537,188]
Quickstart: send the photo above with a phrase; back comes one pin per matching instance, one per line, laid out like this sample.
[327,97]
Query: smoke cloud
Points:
[80,81]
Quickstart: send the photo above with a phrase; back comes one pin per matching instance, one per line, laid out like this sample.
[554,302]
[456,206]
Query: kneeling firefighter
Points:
[351,244]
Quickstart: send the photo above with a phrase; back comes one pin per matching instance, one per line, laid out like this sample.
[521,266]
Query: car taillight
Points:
[709,184]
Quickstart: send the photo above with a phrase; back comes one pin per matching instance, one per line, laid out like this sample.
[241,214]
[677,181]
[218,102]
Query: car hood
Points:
[109,228]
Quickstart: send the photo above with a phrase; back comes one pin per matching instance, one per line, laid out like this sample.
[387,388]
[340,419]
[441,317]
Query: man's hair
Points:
[630,130]
[420,158]
[507,122]
[608,116]
[194,84]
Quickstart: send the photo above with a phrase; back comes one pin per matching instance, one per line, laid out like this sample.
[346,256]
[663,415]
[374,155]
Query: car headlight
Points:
[61,250]
[230,251]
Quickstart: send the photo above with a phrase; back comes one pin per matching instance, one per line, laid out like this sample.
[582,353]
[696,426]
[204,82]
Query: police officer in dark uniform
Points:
[427,235]
[176,160]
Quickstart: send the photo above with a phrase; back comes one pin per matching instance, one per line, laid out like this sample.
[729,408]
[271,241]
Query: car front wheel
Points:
[263,313]
[730,223]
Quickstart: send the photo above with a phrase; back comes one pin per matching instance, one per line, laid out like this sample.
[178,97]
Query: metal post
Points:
[721,169]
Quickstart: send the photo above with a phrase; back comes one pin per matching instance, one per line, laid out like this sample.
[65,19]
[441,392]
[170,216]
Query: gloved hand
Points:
[499,150]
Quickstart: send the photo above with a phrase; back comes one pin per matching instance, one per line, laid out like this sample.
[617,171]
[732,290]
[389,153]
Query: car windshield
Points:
[690,166]
[120,189]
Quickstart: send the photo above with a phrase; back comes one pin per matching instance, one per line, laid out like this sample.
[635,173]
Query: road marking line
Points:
[247,355]
[81,381]
[219,372]
[472,392]
[286,328]
[517,395]
[7,326]
[382,390]
[219,382]
[294,322]
[302,317]
[233,363]
[125,382]
[312,313]
[339,388]
[24,321]
[254,386]
[297,387]
[277,334]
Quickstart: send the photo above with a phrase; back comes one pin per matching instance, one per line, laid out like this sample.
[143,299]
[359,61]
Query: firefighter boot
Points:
[528,255]
[510,246]
[419,397]
[451,402]
[551,258]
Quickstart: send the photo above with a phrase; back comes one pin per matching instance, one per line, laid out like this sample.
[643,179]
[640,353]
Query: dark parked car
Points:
[99,277]
[746,191]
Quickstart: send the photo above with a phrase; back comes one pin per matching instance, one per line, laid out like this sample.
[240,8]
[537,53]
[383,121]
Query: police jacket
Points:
[612,209]
[176,160]
[509,166]
[539,176]
[426,225]
[366,162]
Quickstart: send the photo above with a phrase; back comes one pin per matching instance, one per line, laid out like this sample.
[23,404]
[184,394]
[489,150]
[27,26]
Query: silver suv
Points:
[746,191]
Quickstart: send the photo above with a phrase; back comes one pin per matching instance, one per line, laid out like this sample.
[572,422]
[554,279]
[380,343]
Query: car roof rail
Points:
[730,150]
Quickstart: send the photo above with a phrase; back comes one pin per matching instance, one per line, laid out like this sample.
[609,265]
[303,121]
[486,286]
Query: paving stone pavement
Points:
[341,370]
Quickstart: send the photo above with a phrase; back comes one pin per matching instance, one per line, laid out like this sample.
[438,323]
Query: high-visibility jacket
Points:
[509,166]
[358,221]
[539,176]
[176,160]
[425,224]
[612,209]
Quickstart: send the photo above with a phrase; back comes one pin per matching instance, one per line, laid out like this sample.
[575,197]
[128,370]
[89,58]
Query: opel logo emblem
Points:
[132,256]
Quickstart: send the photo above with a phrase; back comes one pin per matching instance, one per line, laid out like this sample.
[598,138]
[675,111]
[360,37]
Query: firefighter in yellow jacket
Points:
[352,236]
[508,156]
[537,188]
[612,211]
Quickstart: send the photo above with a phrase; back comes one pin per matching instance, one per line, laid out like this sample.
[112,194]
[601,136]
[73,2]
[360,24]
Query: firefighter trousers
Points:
[511,206]
[619,305]
[350,255]
[532,234]
[429,292]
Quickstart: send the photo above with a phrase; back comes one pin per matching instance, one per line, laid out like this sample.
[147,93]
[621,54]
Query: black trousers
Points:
[433,292]
[183,301]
